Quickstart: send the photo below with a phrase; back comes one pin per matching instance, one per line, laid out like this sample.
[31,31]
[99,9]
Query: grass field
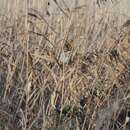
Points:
[64,66]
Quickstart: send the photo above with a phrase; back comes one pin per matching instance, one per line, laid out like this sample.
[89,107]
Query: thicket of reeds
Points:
[64,65]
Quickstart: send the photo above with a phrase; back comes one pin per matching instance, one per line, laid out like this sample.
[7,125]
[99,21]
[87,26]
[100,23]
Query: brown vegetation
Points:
[65,71]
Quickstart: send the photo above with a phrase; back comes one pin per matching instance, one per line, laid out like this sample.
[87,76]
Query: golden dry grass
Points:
[67,69]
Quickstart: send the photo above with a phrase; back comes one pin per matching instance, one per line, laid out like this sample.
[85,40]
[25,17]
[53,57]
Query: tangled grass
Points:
[66,70]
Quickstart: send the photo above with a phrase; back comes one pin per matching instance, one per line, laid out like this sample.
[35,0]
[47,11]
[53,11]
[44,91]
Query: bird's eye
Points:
[48,3]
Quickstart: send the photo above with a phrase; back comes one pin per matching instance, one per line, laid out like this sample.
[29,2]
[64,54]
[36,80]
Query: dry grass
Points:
[64,69]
